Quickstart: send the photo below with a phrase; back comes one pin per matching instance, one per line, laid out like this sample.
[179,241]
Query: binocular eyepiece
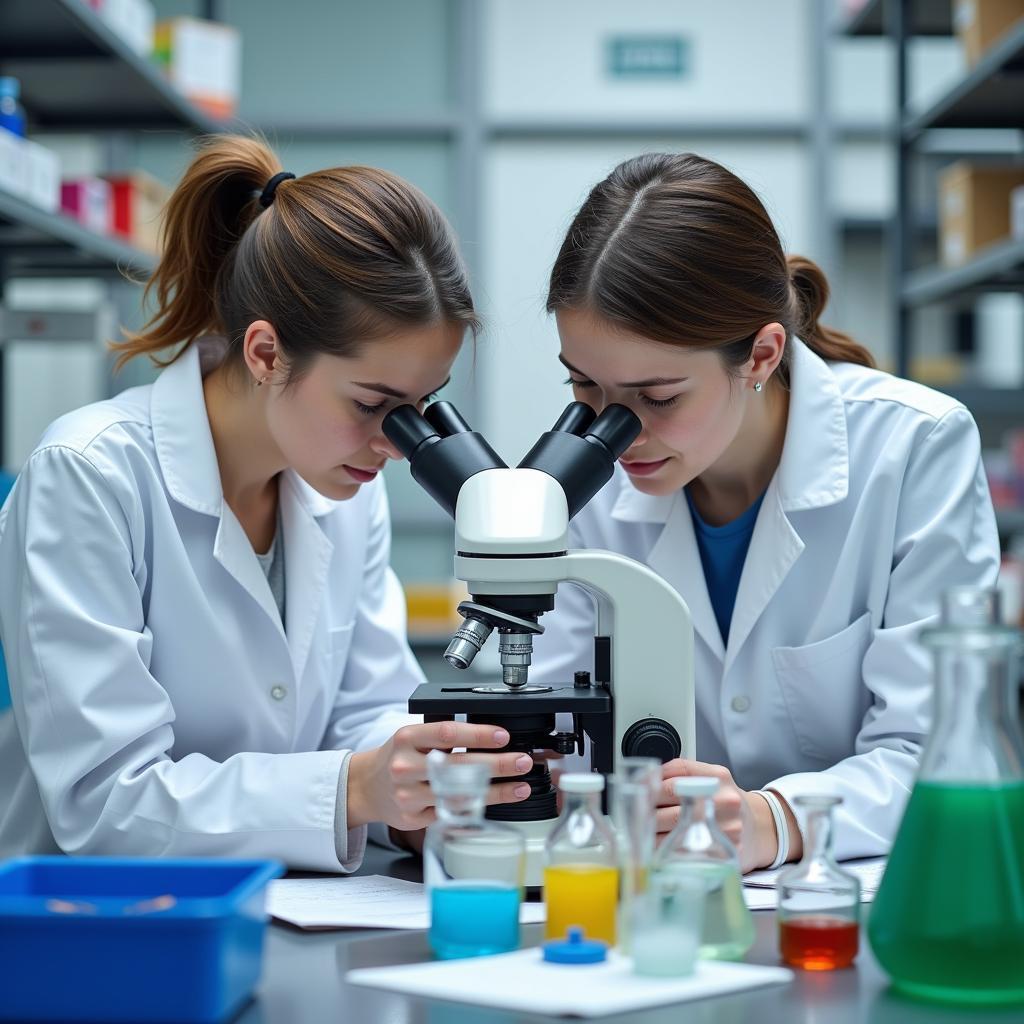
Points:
[579,451]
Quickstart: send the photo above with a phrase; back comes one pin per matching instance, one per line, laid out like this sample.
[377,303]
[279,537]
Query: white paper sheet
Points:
[524,981]
[758,886]
[362,901]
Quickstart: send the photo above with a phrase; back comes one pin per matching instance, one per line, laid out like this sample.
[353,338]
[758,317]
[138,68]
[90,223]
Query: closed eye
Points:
[659,403]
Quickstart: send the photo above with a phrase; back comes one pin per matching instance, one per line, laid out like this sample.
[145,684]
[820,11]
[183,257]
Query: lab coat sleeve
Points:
[945,535]
[96,725]
[381,671]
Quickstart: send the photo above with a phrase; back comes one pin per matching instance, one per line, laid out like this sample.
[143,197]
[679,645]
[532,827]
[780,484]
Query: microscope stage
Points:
[437,701]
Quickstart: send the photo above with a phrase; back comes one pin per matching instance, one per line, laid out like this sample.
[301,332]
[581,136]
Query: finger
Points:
[501,765]
[445,735]
[508,793]
[666,819]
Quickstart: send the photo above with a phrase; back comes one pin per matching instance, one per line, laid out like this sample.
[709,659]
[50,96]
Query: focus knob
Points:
[652,737]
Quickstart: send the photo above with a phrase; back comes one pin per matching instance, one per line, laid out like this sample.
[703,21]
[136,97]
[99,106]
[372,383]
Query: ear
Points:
[261,350]
[766,353]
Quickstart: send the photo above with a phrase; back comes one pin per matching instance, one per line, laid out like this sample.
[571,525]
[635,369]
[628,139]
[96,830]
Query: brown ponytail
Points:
[341,256]
[811,290]
[676,248]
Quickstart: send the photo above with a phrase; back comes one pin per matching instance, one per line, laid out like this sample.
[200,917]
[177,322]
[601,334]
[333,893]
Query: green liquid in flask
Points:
[948,921]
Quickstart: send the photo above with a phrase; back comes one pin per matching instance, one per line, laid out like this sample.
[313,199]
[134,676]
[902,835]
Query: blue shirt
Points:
[723,550]
[6,483]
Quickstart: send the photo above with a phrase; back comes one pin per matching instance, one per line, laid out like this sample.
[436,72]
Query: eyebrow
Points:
[383,389]
[654,382]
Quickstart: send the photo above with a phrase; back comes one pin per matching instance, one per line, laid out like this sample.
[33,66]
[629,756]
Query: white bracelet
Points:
[781,830]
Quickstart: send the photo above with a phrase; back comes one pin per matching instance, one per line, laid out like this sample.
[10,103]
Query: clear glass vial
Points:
[698,848]
[473,867]
[819,903]
[581,877]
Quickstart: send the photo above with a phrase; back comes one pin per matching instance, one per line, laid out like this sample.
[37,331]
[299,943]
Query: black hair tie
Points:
[267,195]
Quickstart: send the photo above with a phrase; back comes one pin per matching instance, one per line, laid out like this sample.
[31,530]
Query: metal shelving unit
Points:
[77,74]
[989,96]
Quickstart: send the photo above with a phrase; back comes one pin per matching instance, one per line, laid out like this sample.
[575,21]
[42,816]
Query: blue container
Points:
[118,939]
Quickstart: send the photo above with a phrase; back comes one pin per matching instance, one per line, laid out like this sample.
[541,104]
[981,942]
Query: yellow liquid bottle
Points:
[583,895]
[581,878]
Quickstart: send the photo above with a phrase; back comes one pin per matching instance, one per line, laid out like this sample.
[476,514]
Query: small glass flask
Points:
[473,867]
[819,903]
[667,919]
[697,847]
[581,879]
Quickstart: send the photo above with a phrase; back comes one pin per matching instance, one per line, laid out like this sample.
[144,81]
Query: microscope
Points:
[511,549]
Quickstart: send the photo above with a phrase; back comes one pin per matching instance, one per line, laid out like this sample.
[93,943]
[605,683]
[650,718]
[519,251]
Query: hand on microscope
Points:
[389,784]
[744,816]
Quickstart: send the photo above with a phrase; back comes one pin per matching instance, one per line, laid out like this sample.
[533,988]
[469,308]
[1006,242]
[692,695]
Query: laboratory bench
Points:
[304,981]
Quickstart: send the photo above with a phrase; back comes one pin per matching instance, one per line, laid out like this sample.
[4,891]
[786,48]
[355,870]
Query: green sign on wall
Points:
[649,56]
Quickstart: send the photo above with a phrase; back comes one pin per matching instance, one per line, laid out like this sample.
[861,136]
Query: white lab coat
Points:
[161,707]
[878,504]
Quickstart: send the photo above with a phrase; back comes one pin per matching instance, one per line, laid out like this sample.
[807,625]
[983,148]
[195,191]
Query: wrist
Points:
[765,830]
[357,808]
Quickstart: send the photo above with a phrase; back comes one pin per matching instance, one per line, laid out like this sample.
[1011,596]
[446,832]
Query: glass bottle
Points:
[819,903]
[698,847]
[948,920]
[473,867]
[12,113]
[632,807]
[581,877]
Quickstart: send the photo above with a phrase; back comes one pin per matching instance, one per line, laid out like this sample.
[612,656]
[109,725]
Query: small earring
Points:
[261,382]
[758,387]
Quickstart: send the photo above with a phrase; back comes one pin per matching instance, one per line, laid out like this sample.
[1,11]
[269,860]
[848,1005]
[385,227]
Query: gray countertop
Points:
[304,981]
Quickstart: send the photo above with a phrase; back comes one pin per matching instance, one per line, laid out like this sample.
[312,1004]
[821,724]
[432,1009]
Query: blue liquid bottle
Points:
[12,114]
[473,867]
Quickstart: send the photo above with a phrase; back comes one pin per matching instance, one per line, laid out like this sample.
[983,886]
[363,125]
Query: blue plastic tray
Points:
[112,939]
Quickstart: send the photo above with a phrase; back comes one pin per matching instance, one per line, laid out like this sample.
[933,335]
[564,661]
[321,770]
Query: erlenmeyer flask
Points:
[948,921]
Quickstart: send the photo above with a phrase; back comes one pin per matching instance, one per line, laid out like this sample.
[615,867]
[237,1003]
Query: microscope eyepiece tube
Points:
[446,419]
[407,430]
[616,428]
[575,419]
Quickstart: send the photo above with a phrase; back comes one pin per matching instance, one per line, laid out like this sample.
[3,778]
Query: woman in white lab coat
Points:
[809,508]
[205,643]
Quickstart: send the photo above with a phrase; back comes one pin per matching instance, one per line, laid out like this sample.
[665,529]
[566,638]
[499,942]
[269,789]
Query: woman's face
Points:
[690,408]
[327,424]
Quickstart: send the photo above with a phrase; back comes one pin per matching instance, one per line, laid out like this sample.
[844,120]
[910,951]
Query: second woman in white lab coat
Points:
[205,642]
[809,508]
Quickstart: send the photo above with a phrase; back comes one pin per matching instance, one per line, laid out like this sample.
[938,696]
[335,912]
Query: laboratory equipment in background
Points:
[698,848]
[632,800]
[12,113]
[819,903]
[581,876]
[948,921]
[666,921]
[511,536]
[473,868]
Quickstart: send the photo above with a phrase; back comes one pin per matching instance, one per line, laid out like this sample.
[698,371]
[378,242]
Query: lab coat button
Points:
[279,692]
[741,703]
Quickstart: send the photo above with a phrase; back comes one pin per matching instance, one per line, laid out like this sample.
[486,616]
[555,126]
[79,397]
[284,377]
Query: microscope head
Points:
[501,513]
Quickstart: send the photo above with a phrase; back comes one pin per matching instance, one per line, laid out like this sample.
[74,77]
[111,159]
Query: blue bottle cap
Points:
[575,949]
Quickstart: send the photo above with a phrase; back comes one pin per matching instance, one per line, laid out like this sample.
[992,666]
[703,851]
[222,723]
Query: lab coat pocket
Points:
[824,690]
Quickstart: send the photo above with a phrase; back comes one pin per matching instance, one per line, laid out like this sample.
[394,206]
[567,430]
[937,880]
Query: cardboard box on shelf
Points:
[202,59]
[979,24]
[974,208]
[138,200]
[13,164]
[87,200]
[42,187]
[133,20]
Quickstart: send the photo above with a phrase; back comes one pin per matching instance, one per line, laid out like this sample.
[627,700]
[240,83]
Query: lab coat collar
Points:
[815,467]
[184,443]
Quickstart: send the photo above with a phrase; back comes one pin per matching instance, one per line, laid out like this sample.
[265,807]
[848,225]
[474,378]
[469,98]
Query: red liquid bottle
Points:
[819,903]
[819,943]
